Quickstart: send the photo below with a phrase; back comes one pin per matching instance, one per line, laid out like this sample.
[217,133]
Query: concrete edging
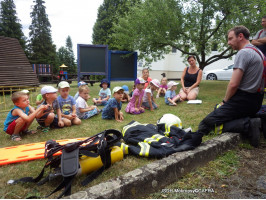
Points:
[154,176]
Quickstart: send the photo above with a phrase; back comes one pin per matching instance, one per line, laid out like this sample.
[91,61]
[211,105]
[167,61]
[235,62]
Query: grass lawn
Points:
[211,93]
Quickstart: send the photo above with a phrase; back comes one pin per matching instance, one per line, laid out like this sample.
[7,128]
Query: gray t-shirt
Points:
[251,63]
[262,35]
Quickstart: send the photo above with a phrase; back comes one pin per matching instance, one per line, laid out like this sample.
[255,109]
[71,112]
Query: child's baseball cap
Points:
[82,83]
[125,88]
[25,91]
[156,82]
[63,84]
[117,88]
[140,81]
[171,84]
[48,89]
[105,81]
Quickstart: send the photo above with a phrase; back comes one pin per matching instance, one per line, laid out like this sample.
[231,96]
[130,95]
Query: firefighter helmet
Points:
[169,120]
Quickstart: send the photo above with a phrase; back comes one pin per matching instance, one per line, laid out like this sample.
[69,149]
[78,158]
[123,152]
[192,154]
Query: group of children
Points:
[64,110]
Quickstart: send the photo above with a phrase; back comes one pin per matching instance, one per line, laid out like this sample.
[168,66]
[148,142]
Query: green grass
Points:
[202,178]
[211,93]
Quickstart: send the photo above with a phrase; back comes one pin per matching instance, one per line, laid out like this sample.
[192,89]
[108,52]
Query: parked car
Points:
[219,74]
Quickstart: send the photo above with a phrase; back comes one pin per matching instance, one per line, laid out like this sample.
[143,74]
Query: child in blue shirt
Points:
[67,105]
[170,96]
[104,94]
[113,108]
[21,116]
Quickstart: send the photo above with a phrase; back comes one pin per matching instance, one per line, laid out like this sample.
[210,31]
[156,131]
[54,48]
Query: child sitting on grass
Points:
[126,97]
[77,94]
[145,76]
[134,105]
[47,118]
[83,110]
[148,100]
[163,88]
[67,105]
[113,108]
[21,116]
[170,96]
[104,94]
[39,99]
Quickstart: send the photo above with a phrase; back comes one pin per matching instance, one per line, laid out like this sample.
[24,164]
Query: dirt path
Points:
[249,181]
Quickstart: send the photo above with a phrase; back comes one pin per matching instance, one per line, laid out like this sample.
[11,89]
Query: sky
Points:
[75,18]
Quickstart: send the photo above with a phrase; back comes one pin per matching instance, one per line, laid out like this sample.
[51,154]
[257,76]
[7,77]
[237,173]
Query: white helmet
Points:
[169,120]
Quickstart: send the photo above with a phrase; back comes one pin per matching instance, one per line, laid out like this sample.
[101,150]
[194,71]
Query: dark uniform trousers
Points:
[233,115]
[262,48]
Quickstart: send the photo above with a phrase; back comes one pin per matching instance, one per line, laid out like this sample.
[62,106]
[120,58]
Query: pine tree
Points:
[9,23]
[108,14]
[72,64]
[66,56]
[43,51]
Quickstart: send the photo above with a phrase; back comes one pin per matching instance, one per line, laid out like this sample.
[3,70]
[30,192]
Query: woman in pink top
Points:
[145,76]
[134,105]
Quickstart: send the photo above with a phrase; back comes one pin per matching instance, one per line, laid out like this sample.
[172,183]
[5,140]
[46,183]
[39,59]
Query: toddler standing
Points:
[163,88]
[83,110]
[134,105]
[148,100]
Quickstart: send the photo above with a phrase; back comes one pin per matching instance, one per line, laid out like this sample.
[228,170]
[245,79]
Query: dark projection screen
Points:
[122,65]
[92,59]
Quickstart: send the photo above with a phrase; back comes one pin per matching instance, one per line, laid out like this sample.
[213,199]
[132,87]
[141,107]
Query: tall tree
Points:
[66,56]
[9,22]
[193,27]
[71,63]
[43,51]
[108,14]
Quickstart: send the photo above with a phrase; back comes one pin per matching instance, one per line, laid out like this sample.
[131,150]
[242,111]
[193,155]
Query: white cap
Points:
[63,84]
[48,89]
[25,91]
[117,88]
[156,82]
[171,84]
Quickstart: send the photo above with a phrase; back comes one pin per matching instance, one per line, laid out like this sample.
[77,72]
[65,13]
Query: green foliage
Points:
[193,27]
[108,14]
[42,49]
[9,23]
[66,56]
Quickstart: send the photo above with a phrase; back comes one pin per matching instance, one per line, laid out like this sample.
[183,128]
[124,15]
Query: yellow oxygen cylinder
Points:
[90,164]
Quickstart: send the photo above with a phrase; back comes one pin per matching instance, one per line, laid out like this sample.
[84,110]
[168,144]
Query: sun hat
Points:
[140,81]
[117,88]
[125,88]
[63,84]
[171,84]
[48,89]
[105,81]
[82,83]
[155,82]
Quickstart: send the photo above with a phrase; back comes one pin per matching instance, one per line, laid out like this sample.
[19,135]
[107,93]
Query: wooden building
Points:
[15,69]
